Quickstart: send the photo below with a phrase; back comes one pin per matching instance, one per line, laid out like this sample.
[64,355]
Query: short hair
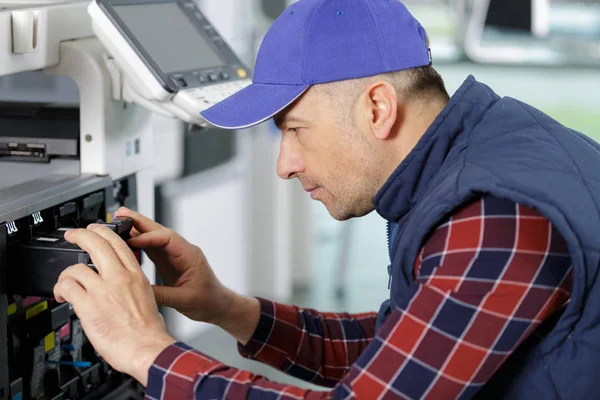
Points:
[420,83]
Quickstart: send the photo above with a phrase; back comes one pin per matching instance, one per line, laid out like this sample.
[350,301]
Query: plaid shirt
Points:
[486,279]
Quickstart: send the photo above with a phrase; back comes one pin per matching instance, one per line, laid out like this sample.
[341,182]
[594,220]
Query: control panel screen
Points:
[169,37]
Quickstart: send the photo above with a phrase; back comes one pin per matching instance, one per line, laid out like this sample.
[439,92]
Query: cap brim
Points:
[252,105]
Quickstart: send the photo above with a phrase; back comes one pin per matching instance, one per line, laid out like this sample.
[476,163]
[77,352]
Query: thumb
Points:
[164,238]
[157,238]
[172,297]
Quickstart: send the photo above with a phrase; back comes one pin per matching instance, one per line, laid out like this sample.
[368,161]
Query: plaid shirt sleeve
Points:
[316,347]
[486,279]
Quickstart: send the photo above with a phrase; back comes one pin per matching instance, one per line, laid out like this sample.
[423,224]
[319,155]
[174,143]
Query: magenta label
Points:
[65,330]
[27,301]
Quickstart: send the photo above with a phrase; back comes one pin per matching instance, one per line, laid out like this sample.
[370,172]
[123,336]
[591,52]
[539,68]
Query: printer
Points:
[64,166]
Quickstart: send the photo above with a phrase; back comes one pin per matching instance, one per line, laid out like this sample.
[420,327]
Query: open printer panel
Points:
[44,353]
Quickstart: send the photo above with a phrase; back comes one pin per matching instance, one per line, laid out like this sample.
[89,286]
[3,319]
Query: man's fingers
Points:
[68,290]
[119,246]
[157,238]
[141,223]
[134,232]
[174,246]
[103,255]
[169,296]
[83,274]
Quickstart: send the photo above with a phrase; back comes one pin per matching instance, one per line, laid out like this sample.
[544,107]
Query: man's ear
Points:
[381,109]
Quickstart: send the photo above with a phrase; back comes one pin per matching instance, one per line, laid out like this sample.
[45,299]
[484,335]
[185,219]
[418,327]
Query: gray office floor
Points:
[365,283]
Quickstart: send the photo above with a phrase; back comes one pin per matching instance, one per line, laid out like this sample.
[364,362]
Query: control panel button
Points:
[181,82]
[201,78]
[241,73]
[213,77]
[224,75]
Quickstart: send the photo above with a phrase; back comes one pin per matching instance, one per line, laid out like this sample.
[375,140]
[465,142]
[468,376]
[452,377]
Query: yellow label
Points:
[12,309]
[108,218]
[35,310]
[242,73]
[49,342]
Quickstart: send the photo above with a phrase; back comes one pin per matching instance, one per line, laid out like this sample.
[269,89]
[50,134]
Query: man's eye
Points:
[295,130]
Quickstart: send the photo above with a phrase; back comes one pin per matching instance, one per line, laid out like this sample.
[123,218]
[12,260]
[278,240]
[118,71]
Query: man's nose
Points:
[289,163]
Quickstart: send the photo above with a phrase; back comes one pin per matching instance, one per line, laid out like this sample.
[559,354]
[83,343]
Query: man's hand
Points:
[191,286]
[116,306]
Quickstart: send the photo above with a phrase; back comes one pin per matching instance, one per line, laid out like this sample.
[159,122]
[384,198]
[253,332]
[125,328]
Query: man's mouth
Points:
[314,192]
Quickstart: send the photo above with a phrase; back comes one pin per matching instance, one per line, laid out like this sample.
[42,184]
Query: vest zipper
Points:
[390,255]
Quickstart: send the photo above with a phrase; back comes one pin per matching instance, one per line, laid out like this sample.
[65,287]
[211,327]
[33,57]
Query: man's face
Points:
[334,159]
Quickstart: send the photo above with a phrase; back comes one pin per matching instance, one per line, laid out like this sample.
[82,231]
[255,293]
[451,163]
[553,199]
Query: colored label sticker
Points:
[49,342]
[27,301]
[65,331]
[109,217]
[242,73]
[12,309]
[35,310]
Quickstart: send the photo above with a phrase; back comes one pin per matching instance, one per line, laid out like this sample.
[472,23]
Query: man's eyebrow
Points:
[279,122]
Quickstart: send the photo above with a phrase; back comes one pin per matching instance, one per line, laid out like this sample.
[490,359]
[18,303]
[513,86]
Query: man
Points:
[493,209]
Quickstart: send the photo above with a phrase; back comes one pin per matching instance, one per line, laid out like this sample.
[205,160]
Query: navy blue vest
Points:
[482,143]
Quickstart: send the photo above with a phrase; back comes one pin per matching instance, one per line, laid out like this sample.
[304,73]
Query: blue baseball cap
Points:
[322,41]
